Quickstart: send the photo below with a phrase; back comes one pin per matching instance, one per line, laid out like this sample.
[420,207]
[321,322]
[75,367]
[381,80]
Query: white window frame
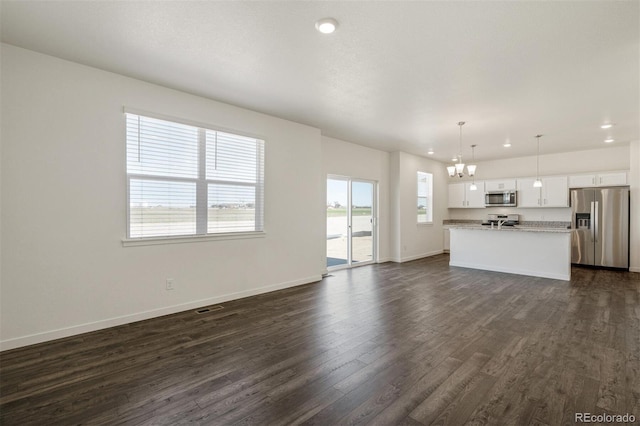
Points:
[428,196]
[201,189]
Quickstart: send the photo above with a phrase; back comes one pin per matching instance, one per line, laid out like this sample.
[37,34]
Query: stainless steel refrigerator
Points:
[600,222]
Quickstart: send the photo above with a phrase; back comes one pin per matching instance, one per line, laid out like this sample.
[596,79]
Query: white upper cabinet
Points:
[461,196]
[599,179]
[475,199]
[554,192]
[528,196]
[500,185]
[612,179]
[457,196]
[582,181]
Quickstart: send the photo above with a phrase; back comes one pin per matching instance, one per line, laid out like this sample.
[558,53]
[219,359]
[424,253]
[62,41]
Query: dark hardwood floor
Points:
[413,344]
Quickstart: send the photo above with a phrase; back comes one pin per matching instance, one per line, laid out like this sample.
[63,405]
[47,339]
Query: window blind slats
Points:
[168,192]
[232,157]
[161,148]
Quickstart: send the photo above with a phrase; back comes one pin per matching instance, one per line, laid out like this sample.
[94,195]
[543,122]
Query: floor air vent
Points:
[209,309]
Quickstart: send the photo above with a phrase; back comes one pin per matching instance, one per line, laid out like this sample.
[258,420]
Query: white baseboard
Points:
[385,259]
[46,336]
[417,256]
[634,269]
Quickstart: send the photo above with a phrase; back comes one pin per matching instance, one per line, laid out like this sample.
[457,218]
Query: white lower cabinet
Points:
[554,192]
[446,240]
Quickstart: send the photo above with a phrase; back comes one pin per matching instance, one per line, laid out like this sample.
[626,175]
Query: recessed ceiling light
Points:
[507,145]
[327,25]
[608,140]
[454,159]
[430,152]
[606,126]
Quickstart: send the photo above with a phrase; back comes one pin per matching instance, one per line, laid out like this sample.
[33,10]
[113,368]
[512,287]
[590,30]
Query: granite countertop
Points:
[532,226]
[518,228]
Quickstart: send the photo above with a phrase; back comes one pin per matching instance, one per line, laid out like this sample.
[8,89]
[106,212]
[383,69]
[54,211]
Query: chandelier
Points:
[458,168]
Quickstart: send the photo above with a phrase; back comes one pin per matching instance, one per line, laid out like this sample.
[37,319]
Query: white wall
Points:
[413,241]
[395,220]
[63,198]
[350,160]
[595,160]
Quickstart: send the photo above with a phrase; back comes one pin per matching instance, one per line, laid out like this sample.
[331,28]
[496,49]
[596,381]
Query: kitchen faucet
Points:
[501,222]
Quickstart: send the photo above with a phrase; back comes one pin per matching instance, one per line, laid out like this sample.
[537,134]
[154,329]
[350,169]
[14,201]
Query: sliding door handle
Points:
[597,225]
[592,225]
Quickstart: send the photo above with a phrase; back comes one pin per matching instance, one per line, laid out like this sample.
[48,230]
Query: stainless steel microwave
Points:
[500,199]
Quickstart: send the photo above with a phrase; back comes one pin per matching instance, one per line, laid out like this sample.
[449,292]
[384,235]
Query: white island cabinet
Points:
[538,252]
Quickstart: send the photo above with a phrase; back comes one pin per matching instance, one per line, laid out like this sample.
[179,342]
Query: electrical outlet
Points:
[169,284]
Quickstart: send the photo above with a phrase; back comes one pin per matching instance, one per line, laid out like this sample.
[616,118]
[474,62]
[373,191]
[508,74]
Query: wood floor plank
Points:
[449,390]
[388,344]
[417,391]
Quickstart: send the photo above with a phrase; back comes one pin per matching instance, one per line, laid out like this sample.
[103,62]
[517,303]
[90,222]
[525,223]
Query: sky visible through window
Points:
[337,192]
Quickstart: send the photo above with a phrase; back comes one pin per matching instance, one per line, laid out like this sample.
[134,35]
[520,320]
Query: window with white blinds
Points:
[425,198]
[187,180]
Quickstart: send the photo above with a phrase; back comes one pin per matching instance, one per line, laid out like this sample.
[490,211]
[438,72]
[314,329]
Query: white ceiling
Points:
[395,76]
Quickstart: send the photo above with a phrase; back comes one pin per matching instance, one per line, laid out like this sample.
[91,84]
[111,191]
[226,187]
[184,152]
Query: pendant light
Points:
[460,164]
[458,168]
[472,169]
[538,183]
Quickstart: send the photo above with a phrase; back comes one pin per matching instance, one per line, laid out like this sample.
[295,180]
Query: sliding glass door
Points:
[361,221]
[350,222]
[337,222]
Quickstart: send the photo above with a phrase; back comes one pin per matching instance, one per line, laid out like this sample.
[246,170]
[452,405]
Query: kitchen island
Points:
[534,251]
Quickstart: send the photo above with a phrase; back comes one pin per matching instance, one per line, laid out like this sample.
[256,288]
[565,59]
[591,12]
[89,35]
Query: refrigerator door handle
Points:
[593,222]
[597,225]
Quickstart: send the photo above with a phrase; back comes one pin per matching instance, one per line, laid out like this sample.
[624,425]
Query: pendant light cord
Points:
[538,158]
[460,124]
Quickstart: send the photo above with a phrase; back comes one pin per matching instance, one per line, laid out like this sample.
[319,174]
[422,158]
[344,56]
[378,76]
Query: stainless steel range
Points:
[502,219]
